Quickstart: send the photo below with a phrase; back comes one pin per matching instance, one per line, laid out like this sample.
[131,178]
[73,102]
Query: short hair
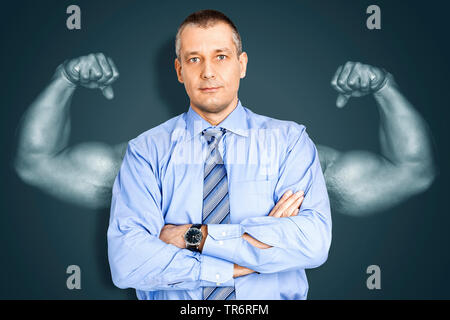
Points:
[205,19]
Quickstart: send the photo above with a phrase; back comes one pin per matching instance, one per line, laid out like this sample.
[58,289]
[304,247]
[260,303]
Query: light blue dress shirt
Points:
[161,182]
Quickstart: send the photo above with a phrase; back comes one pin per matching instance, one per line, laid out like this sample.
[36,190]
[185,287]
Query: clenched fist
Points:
[355,79]
[94,71]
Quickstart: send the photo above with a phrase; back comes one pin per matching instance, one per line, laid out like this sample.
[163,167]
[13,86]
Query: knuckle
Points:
[100,55]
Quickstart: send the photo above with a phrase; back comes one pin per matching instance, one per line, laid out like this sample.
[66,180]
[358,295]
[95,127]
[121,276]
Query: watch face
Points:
[193,236]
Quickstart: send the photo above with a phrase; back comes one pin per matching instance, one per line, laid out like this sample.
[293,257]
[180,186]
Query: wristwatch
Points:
[193,237]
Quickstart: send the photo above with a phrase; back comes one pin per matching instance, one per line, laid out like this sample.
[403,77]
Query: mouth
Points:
[209,89]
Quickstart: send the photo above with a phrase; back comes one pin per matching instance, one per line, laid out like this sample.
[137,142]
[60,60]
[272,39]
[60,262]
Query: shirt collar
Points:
[235,122]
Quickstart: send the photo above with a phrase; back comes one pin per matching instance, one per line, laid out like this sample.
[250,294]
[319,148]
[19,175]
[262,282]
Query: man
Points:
[192,212]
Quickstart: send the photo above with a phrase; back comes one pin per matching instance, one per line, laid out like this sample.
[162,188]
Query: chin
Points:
[212,106]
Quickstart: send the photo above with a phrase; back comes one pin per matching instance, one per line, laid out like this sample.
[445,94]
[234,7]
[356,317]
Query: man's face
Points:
[209,66]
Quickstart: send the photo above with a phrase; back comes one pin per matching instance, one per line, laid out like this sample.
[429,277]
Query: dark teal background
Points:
[294,48]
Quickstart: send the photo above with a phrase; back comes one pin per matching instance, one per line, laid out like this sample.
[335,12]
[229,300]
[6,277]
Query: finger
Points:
[114,70]
[95,72]
[353,80]
[84,72]
[288,212]
[365,81]
[295,213]
[277,211]
[113,67]
[376,77]
[106,68]
[343,76]
[108,92]
[285,196]
[289,202]
[335,78]
[342,100]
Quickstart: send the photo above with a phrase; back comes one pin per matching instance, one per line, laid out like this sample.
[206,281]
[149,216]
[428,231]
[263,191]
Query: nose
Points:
[208,71]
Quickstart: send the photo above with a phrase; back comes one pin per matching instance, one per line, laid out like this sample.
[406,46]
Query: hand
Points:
[94,71]
[240,271]
[173,234]
[288,205]
[355,79]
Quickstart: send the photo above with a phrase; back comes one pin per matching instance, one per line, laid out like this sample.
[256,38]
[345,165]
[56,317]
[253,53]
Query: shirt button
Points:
[221,242]
[224,233]
[217,276]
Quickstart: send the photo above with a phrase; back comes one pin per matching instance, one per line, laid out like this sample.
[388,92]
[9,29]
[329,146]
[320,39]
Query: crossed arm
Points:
[139,258]
[288,206]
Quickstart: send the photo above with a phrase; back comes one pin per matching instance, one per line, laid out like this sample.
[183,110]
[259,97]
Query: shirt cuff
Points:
[216,270]
[223,240]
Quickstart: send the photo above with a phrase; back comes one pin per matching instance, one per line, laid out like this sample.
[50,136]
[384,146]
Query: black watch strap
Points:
[192,248]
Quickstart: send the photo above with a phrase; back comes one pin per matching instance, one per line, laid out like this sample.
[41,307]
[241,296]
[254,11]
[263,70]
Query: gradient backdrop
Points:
[294,48]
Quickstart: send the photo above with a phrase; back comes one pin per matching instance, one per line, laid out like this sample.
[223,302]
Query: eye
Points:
[221,57]
[194,59]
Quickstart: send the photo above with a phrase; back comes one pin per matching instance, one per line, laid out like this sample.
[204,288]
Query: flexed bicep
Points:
[361,182]
[83,174]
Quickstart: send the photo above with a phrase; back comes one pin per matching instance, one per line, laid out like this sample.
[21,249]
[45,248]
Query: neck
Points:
[214,118]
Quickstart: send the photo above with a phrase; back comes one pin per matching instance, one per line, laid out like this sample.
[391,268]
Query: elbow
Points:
[317,250]
[121,275]
[120,272]
[421,177]
[322,244]
[26,170]
[121,280]
[320,258]
[320,254]
[427,178]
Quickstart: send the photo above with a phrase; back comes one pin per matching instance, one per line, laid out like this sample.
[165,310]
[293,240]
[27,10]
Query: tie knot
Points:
[213,134]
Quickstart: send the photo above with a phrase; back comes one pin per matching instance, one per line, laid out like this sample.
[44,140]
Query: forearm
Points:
[404,135]
[284,243]
[138,259]
[45,127]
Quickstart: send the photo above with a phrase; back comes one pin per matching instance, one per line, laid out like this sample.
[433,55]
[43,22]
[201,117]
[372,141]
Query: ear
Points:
[178,70]
[243,59]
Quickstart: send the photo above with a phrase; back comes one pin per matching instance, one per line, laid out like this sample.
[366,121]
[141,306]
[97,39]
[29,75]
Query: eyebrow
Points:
[216,51]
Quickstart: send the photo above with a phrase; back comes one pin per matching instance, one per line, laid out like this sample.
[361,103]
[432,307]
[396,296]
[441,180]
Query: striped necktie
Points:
[216,204]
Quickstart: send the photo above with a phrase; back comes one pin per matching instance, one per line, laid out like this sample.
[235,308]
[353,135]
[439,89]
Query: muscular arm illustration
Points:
[82,174]
[360,182]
